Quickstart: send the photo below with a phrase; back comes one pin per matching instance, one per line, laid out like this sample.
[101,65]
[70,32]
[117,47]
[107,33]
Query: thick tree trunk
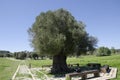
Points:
[59,64]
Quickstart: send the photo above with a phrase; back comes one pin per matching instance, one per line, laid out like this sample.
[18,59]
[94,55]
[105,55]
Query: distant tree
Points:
[113,50]
[42,56]
[4,53]
[118,51]
[58,34]
[1,55]
[103,51]
[35,56]
[20,55]
[8,55]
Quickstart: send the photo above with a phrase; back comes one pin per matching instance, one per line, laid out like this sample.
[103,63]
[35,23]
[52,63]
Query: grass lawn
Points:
[113,61]
[7,68]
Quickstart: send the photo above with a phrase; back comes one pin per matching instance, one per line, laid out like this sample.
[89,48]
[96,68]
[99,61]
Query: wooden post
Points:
[29,65]
[96,74]
[84,77]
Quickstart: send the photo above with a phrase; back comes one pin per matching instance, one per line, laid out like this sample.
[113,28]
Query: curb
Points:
[15,72]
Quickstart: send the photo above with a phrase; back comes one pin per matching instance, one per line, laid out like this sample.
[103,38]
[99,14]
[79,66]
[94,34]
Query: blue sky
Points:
[102,19]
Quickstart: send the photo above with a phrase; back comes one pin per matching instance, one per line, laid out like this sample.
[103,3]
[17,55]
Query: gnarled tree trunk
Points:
[59,64]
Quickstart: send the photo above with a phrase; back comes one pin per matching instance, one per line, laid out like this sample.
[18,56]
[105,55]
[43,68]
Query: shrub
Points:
[103,51]
[35,56]
[20,55]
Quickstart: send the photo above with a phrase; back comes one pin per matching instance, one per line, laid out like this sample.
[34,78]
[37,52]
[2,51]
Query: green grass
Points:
[7,68]
[113,60]
[38,63]
[40,75]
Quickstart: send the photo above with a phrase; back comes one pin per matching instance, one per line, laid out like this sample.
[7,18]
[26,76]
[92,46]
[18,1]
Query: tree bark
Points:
[59,64]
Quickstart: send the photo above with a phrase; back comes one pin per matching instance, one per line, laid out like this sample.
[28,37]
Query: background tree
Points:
[57,33]
[113,51]
[4,53]
[103,51]
[20,55]
[35,56]
[117,51]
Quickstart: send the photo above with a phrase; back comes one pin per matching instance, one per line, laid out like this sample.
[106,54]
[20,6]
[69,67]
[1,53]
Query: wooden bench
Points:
[94,65]
[104,68]
[83,74]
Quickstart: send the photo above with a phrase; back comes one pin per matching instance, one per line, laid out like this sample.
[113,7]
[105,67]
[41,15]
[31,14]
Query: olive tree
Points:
[58,34]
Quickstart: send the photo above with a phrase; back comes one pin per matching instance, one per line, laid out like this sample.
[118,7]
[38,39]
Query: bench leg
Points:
[84,77]
[96,74]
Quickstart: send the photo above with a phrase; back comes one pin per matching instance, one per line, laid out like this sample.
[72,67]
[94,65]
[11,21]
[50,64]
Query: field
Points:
[7,68]
[113,61]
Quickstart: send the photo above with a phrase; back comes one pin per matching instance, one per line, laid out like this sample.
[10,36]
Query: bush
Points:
[1,55]
[103,51]
[20,55]
[35,56]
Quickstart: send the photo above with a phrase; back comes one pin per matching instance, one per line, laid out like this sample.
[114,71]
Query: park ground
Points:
[9,66]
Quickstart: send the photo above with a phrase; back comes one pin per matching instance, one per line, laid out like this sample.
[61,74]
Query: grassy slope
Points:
[7,68]
[113,61]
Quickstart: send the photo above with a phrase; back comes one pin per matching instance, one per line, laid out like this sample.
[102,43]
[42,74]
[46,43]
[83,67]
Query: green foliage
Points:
[35,56]
[103,51]
[113,50]
[57,32]
[20,55]
[4,53]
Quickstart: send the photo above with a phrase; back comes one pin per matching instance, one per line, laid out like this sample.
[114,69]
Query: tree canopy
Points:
[56,31]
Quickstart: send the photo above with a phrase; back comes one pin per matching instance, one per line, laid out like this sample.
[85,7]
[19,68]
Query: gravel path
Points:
[23,69]
[23,73]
